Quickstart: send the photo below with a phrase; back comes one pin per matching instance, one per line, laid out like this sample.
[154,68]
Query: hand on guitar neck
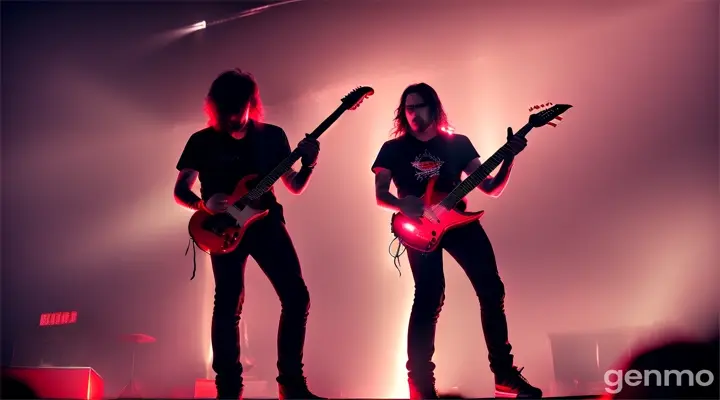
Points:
[309,149]
[515,143]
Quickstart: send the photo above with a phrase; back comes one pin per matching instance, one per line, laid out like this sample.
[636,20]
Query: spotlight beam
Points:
[250,12]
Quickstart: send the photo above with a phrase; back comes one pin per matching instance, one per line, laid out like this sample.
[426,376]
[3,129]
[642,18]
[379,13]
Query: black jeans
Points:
[268,242]
[471,248]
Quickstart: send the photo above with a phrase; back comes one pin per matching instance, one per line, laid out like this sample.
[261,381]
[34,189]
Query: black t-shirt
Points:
[413,162]
[222,161]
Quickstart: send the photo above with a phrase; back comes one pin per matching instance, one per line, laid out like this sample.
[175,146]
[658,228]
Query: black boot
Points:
[422,389]
[295,389]
[232,391]
[511,384]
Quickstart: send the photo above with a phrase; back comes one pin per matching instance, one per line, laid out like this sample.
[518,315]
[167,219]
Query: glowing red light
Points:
[409,227]
[58,318]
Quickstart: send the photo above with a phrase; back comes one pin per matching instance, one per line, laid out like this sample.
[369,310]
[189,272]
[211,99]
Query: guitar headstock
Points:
[353,99]
[547,114]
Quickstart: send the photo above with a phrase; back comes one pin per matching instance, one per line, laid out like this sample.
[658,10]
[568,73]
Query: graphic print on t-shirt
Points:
[426,166]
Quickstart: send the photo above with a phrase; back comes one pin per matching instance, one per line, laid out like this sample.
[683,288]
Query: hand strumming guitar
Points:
[309,148]
[217,203]
[412,206]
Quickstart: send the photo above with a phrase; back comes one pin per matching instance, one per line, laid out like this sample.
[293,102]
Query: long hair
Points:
[230,93]
[431,98]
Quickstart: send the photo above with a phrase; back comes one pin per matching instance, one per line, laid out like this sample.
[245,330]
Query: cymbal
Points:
[139,338]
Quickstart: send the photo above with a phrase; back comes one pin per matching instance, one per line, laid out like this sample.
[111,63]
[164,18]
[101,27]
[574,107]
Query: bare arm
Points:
[384,198]
[493,186]
[296,181]
[183,190]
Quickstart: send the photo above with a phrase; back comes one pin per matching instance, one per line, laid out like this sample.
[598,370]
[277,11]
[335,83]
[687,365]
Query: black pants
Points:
[268,242]
[471,248]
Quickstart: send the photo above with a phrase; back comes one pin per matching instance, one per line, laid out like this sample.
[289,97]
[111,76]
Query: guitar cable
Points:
[397,254]
[191,242]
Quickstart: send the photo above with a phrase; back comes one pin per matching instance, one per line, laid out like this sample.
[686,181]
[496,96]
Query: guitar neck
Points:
[269,180]
[474,179]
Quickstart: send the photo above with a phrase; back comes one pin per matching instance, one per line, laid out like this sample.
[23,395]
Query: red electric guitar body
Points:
[222,233]
[425,233]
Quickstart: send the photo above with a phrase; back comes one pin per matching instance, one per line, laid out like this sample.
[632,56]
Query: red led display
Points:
[58,318]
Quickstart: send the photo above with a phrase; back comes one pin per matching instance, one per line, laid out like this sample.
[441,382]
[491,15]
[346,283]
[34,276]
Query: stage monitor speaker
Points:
[585,357]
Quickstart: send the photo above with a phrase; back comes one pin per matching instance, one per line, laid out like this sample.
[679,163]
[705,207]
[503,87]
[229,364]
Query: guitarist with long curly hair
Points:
[236,144]
[421,151]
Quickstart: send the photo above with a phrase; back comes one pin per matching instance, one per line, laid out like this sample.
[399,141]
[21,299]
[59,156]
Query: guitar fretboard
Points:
[472,181]
[269,180]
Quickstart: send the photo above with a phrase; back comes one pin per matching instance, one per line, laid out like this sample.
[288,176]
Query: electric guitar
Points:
[221,233]
[440,216]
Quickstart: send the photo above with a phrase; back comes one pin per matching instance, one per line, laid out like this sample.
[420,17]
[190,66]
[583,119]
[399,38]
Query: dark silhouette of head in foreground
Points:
[685,370]
[12,388]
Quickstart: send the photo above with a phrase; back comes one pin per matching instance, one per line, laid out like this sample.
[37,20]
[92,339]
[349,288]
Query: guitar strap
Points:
[192,243]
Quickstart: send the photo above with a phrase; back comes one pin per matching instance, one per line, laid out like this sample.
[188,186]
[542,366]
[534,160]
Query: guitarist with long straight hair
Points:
[423,150]
[236,144]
